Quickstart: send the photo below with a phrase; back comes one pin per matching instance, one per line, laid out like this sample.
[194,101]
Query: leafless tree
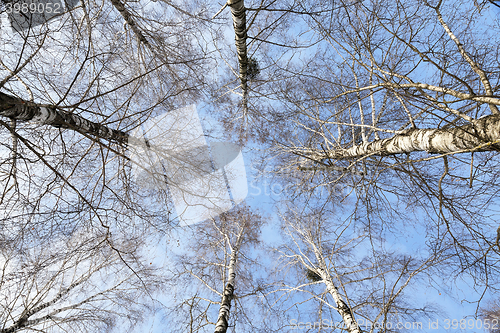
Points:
[59,285]
[339,276]
[216,280]
[88,72]
[394,109]
[72,91]
[385,109]
[389,109]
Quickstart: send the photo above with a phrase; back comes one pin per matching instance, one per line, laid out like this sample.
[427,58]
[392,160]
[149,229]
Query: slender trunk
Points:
[240,29]
[23,321]
[13,124]
[342,308]
[131,22]
[482,135]
[222,321]
[18,109]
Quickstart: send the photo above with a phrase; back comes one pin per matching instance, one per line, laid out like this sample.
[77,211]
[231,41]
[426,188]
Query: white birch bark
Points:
[18,109]
[222,321]
[24,321]
[131,23]
[240,30]
[342,308]
[482,135]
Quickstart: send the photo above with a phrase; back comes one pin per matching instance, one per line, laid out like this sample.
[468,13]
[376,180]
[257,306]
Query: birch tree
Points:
[219,275]
[72,91]
[249,68]
[59,286]
[389,108]
[239,18]
[101,74]
[367,87]
[340,277]
[394,109]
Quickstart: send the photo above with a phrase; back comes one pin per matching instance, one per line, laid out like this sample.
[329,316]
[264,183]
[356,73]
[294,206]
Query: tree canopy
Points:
[380,119]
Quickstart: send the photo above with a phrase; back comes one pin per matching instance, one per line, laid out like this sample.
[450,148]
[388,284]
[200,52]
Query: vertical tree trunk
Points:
[240,29]
[222,321]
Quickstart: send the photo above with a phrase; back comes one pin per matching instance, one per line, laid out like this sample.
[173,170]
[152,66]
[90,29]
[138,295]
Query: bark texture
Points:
[131,22]
[24,321]
[482,135]
[240,29]
[18,109]
[223,320]
[342,308]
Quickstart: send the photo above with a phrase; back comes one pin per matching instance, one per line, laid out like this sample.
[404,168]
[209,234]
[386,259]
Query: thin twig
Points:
[220,11]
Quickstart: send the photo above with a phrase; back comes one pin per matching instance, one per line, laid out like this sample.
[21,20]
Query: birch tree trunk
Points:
[222,321]
[24,320]
[131,22]
[217,250]
[240,29]
[342,308]
[18,109]
[482,135]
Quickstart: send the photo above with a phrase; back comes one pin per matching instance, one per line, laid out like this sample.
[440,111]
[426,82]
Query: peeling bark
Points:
[18,109]
[482,135]
[240,29]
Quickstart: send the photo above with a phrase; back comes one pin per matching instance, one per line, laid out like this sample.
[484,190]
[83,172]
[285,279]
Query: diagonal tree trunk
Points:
[130,21]
[482,135]
[342,308]
[24,321]
[222,321]
[18,109]
[240,29]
